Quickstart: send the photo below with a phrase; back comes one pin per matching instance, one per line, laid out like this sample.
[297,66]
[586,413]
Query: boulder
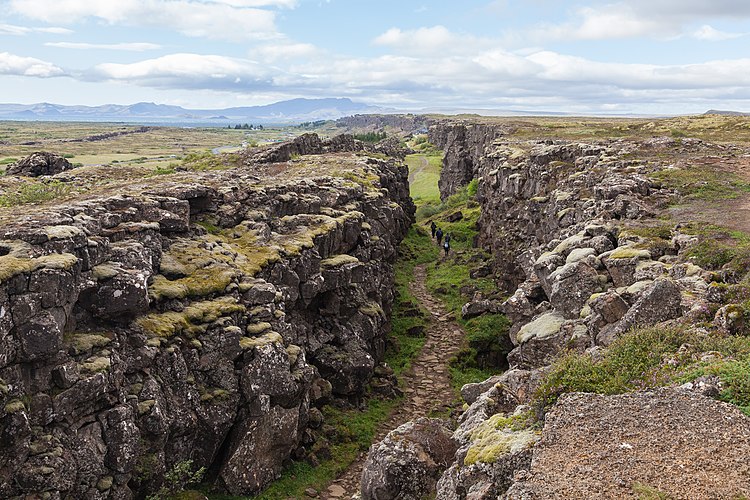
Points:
[476,308]
[659,301]
[40,163]
[257,448]
[408,462]
[571,287]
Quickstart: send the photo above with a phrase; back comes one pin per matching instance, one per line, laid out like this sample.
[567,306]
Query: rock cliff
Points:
[201,318]
[571,231]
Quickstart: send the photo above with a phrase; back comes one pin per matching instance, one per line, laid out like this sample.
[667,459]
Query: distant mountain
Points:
[284,112]
[725,113]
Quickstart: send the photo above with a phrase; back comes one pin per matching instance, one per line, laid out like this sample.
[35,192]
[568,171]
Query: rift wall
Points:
[199,321]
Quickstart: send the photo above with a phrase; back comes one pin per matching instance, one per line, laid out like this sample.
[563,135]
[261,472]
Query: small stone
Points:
[336,491]
[311,492]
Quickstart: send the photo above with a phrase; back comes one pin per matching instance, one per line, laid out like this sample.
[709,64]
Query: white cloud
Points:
[493,77]
[192,18]
[430,41]
[608,22]
[711,34]
[11,64]
[284,51]
[663,19]
[10,29]
[133,46]
[289,4]
[187,71]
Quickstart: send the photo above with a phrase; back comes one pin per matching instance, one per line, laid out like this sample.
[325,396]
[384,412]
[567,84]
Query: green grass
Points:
[35,192]
[637,361]
[424,172]
[719,247]
[698,182]
[356,432]
[202,161]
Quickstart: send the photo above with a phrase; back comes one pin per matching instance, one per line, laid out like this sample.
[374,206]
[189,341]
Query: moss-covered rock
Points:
[543,327]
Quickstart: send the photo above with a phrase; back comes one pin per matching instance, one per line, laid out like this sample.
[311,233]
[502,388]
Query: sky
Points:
[584,57]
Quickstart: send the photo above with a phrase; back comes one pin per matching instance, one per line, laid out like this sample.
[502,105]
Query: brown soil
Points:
[732,214]
[667,443]
[426,385]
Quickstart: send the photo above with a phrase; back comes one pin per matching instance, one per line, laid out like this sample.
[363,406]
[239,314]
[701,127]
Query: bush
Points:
[471,189]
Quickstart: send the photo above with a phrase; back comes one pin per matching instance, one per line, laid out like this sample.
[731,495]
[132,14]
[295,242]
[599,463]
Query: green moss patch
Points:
[628,252]
[261,341]
[173,323]
[12,266]
[500,435]
[86,342]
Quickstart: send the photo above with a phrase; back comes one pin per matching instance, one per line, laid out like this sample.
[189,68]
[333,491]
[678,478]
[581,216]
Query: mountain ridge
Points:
[282,112]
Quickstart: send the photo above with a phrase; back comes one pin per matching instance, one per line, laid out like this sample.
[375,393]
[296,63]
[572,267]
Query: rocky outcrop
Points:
[561,220]
[305,144]
[202,319]
[405,123]
[40,163]
[663,442]
[465,145]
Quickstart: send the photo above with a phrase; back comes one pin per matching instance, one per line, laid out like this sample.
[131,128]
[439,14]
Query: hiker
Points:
[447,237]
[447,246]
[439,235]
[433,228]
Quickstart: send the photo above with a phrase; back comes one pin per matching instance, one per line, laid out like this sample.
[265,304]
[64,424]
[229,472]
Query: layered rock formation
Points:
[201,318]
[561,220]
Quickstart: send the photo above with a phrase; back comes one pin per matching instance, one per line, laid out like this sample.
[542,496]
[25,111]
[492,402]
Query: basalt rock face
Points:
[464,144]
[307,144]
[404,123]
[561,220]
[200,320]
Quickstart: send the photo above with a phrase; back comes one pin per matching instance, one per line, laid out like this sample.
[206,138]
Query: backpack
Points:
[446,245]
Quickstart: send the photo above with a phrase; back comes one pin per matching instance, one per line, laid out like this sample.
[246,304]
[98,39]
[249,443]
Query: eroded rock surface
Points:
[674,442]
[203,318]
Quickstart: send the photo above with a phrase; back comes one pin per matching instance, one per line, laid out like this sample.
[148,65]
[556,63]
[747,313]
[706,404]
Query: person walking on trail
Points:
[439,235]
[433,228]
[447,246]
[447,237]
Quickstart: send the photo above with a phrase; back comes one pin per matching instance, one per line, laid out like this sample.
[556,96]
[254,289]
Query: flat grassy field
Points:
[424,173]
[95,144]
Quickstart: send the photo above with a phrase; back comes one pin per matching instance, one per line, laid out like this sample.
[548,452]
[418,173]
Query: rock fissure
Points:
[427,390]
[574,241]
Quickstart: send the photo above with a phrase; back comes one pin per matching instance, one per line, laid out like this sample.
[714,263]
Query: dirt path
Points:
[423,164]
[426,385]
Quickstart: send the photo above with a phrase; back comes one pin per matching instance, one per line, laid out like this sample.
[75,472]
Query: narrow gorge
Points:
[205,325]
[626,326]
